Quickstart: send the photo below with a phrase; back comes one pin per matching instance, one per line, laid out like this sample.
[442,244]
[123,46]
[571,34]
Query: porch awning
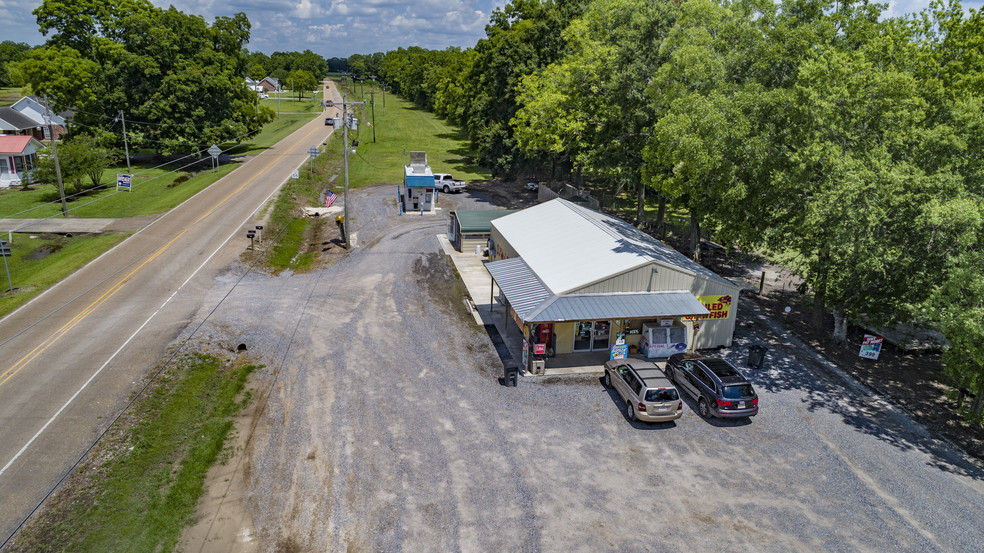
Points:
[534,302]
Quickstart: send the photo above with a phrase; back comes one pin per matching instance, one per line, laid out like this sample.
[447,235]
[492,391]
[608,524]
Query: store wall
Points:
[565,337]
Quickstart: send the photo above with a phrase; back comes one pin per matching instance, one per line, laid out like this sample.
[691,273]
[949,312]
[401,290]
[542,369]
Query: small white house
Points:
[18,156]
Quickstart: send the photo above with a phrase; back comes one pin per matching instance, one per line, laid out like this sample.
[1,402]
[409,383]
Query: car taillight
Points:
[755,401]
[680,406]
[641,407]
[722,403]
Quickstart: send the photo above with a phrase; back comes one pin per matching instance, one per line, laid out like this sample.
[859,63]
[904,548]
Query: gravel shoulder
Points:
[379,425]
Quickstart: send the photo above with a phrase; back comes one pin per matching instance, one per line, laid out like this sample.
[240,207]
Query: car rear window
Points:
[736,392]
[669,394]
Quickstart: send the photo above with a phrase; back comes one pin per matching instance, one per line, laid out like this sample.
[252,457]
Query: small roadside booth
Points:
[471,228]
[576,281]
[18,156]
[418,185]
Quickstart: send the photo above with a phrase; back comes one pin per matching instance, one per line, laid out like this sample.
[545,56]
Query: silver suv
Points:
[649,396]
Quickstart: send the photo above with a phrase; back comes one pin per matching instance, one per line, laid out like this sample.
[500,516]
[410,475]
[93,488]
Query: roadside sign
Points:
[871,346]
[313,151]
[4,249]
[214,150]
[295,174]
[123,181]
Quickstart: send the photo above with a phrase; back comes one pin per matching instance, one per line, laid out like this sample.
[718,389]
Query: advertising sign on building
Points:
[620,351]
[871,346]
[123,181]
[719,307]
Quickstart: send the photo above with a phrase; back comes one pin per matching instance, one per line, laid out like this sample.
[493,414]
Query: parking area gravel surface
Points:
[381,426]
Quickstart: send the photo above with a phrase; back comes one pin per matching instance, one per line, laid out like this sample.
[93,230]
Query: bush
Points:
[183,177]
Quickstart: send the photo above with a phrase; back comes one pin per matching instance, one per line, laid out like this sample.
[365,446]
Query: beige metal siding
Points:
[638,280]
[468,244]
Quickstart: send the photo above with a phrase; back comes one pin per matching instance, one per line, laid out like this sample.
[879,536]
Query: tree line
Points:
[846,143]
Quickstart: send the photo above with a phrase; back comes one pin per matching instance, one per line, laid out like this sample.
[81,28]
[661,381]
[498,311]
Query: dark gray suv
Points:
[718,387]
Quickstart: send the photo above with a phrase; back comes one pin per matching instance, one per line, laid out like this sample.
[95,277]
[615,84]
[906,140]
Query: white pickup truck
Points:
[446,183]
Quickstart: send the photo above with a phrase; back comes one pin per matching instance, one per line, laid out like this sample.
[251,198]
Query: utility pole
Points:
[372,104]
[126,146]
[345,144]
[54,154]
[278,100]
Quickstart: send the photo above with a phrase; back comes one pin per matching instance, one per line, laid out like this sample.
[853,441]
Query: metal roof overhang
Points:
[534,302]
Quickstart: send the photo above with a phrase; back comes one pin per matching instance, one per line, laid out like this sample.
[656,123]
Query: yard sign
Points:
[871,346]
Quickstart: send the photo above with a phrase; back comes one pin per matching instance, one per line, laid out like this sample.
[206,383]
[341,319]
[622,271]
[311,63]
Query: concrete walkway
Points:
[76,225]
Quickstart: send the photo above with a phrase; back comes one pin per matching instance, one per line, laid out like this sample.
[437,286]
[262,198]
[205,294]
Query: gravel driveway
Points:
[386,429]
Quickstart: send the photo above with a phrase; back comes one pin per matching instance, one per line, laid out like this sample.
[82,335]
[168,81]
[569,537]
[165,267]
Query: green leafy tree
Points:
[79,158]
[302,82]
[12,53]
[61,74]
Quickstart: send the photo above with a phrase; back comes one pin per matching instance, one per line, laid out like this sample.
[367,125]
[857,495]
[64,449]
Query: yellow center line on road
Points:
[51,340]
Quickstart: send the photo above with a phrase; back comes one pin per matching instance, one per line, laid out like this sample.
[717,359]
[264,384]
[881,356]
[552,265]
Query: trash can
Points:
[756,355]
[510,376]
[538,366]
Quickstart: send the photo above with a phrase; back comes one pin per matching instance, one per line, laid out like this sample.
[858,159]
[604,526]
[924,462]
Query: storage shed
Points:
[576,280]
[468,228]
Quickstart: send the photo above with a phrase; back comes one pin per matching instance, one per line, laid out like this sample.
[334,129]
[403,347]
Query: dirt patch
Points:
[43,252]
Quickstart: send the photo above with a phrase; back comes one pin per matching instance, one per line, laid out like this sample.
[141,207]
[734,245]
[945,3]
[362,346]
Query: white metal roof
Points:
[533,302]
[568,246]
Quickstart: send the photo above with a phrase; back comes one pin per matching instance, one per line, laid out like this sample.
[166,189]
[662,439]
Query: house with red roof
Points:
[18,156]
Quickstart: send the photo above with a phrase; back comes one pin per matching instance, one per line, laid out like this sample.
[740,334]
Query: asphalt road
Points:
[383,427]
[70,358]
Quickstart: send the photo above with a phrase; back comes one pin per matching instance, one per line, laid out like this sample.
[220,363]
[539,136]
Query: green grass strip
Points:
[40,261]
[147,493]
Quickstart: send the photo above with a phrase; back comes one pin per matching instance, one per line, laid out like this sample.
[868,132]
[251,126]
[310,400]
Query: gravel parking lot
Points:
[385,429]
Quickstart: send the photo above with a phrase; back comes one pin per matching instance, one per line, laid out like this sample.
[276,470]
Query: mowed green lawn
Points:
[40,261]
[402,126]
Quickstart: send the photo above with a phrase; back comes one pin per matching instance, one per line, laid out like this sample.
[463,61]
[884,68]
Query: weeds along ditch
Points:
[138,487]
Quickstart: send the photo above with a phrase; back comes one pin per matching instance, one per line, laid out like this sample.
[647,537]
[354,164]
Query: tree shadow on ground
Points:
[792,365]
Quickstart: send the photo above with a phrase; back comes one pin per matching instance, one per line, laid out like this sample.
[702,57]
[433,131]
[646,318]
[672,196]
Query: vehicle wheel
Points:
[608,380]
[447,189]
[630,412]
[705,411]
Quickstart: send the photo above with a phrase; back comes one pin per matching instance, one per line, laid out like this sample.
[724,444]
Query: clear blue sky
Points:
[339,28]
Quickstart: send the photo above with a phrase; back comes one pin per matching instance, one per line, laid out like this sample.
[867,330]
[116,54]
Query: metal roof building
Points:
[468,228]
[591,277]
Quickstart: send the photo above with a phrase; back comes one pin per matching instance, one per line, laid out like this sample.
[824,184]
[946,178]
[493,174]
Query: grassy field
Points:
[38,263]
[401,126]
[144,492]
[9,96]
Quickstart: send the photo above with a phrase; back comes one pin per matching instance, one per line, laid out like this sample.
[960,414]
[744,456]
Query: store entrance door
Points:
[591,335]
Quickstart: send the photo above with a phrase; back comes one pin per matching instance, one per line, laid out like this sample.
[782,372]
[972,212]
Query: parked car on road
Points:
[717,386]
[649,396]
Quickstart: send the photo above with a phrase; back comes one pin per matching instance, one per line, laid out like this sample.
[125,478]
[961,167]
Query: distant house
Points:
[32,108]
[270,84]
[18,156]
[253,85]
[13,122]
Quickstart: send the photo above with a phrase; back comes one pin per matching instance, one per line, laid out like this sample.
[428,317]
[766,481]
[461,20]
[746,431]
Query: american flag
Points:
[330,199]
